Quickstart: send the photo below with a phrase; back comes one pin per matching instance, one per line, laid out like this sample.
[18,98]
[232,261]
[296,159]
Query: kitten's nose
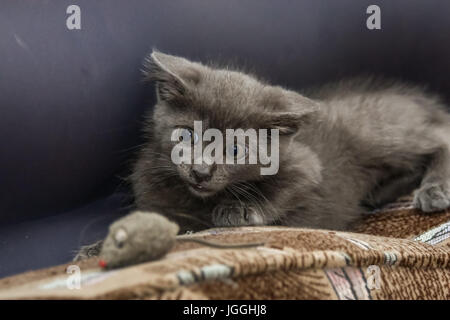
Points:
[202,172]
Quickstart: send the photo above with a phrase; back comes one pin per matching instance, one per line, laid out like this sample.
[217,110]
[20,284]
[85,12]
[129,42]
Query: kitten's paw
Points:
[86,252]
[432,197]
[234,215]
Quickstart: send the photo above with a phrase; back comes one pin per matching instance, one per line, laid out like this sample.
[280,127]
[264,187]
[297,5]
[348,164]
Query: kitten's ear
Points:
[288,123]
[173,75]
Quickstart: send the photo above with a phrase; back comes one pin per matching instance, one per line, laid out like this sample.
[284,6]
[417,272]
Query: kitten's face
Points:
[206,179]
[222,100]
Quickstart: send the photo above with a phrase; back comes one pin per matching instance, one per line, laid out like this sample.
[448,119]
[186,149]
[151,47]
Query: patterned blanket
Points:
[394,253]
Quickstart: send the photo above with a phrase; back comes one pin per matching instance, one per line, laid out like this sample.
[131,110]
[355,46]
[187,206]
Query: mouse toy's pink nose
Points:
[102,263]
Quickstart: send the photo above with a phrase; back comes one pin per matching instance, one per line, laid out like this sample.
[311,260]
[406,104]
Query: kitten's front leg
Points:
[234,214]
[434,193]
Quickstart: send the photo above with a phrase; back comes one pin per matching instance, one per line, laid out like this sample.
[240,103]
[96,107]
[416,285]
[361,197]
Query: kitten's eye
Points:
[238,151]
[120,237]
[187,135]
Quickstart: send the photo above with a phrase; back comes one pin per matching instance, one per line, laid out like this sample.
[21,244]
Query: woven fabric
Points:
[394,253]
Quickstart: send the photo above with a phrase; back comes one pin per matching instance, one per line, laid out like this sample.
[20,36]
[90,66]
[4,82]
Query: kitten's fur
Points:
[344,148]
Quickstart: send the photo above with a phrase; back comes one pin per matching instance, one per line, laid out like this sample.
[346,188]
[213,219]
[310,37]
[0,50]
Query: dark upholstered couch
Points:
[71,101]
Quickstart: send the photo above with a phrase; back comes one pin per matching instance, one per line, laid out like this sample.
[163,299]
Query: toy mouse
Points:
[144,236]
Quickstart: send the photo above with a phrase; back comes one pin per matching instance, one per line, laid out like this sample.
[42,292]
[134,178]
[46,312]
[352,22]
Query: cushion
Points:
[394,253]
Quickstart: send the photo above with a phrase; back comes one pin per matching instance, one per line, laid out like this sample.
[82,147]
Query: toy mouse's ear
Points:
[120,237]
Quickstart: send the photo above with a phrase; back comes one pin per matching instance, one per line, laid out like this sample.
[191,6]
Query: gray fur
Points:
[344,148]
[146,237]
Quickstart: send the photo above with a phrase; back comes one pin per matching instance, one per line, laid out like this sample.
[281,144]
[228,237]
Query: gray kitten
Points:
[345,148]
